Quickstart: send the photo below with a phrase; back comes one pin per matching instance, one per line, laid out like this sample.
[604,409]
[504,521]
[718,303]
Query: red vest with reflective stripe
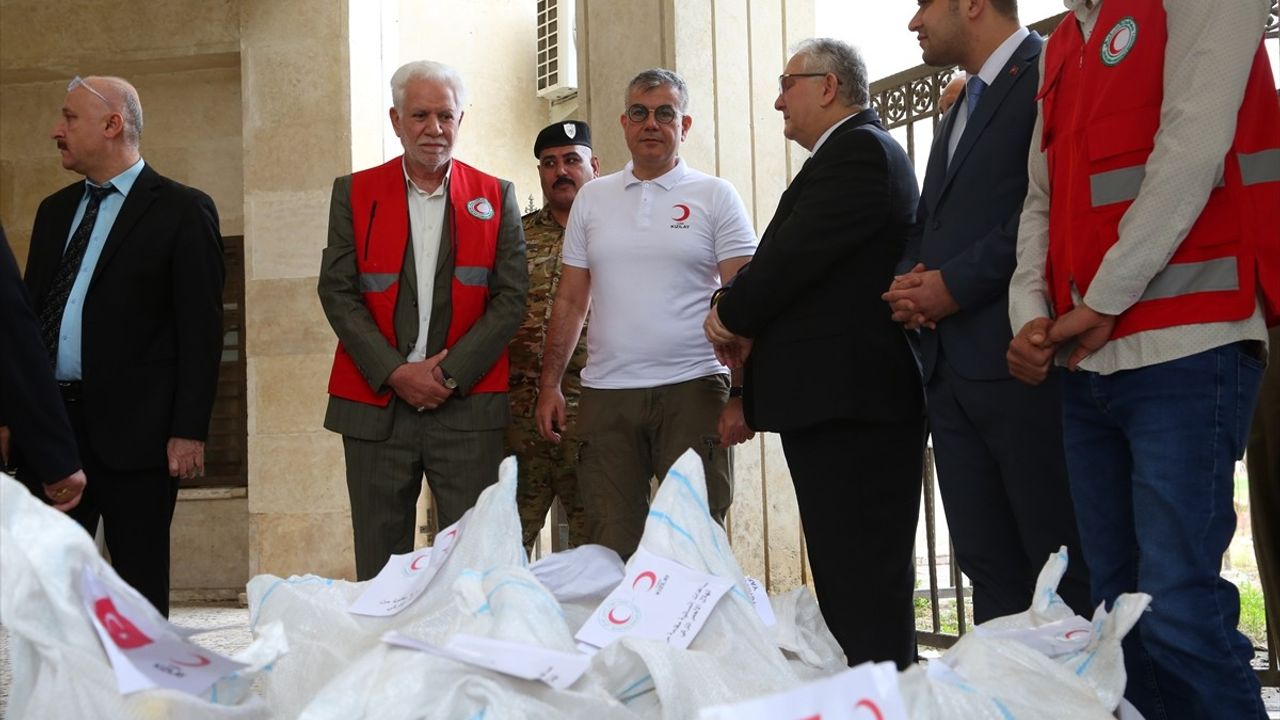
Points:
[1101,110]
[380,221]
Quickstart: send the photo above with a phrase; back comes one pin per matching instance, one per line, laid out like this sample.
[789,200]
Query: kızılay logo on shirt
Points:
[680,214]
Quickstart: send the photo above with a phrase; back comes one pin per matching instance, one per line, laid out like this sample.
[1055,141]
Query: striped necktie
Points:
[55,302]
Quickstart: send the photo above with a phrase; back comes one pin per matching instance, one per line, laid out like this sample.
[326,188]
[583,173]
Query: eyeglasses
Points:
[664,114]
[786,80]
[77,81]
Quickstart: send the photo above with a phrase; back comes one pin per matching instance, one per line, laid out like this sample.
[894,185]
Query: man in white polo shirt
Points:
[645,249]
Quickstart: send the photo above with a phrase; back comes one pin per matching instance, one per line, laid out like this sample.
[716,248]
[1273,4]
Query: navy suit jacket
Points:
[967,222]
[825,346]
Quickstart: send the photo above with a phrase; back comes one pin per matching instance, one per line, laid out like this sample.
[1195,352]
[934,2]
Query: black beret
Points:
[568,132]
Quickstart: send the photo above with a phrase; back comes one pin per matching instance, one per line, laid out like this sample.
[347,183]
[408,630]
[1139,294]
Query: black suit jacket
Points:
[825,347]
[152,325]
[29,399]
[967,223]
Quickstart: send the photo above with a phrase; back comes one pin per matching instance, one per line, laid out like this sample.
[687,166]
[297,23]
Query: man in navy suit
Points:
[125,273]
[998,442]
[854,435]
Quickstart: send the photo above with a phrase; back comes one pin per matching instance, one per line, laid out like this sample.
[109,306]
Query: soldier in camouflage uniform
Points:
[565,163]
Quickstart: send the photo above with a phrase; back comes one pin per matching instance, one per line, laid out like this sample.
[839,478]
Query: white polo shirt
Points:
[653,248]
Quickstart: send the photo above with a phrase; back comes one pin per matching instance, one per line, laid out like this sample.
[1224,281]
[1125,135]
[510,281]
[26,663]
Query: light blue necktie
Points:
[974,87]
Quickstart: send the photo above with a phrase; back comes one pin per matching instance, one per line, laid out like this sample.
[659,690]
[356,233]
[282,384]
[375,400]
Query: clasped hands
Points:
[1032,350]
[421,384]
[919,298]
[731,349]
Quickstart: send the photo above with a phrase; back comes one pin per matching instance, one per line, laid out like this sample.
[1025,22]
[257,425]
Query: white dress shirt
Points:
[426,220]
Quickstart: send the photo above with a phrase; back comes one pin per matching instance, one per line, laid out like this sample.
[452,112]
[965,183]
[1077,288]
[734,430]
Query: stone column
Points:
[297,139]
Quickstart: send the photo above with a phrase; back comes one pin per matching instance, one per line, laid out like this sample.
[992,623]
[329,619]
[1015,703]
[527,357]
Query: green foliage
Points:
[1253,617]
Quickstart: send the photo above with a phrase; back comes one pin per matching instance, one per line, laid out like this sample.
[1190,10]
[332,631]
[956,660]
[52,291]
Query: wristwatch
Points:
[450,384]
[735,391]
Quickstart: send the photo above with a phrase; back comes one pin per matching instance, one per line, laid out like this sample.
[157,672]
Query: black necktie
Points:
[55,302]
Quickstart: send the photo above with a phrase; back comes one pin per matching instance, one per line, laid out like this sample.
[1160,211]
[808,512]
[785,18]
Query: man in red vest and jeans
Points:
[423,281]
[1149,264]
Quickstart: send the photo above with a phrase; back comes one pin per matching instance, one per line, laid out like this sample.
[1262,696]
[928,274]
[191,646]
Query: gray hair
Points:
[656,78]
[829,55]
[123,99]
[427,70]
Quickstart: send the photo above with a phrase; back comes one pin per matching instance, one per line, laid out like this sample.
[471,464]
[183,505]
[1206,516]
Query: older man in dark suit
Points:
[853,431]
[125,272]
[424,283]
[998,442]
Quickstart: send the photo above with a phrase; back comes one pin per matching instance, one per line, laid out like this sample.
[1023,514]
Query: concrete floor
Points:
[232,634]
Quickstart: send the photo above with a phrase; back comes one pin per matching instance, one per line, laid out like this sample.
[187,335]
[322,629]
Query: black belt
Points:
[71,391]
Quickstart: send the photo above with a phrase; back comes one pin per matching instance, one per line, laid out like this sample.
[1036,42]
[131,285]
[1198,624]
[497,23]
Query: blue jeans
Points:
[1151,456]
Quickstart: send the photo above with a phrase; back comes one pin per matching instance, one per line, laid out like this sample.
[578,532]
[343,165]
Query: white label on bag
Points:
[658,599]
[405,577]
[528,662]
[760,601]
[143,655]
[1059,638]
[866,692]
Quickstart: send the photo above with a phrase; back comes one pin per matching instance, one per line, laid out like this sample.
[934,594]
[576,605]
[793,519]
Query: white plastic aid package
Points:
[59,666]
[337,665]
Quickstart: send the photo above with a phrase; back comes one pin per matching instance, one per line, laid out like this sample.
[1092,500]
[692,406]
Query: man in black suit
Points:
[125,273]
[853,433]
[998,442]
[29,399]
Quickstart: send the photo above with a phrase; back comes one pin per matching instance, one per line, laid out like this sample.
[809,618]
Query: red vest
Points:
[380,221]
[1101,111]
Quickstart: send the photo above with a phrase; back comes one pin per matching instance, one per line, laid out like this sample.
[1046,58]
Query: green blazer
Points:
[468,360]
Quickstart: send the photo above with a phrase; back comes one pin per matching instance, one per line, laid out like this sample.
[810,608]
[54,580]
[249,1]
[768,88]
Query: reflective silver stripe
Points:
[377,282]
[1116,186]
[1259,167]
[1185,278]
[472,274]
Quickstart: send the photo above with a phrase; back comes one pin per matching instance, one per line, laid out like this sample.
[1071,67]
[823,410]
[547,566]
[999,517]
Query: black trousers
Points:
[858,487]
[136,508]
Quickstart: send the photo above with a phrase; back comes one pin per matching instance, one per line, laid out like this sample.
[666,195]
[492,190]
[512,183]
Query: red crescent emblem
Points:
[1068,635]
[682,213]
[875,709]
[1116,39]
[618,621]
[201,661]
[413,566]
[646,575]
